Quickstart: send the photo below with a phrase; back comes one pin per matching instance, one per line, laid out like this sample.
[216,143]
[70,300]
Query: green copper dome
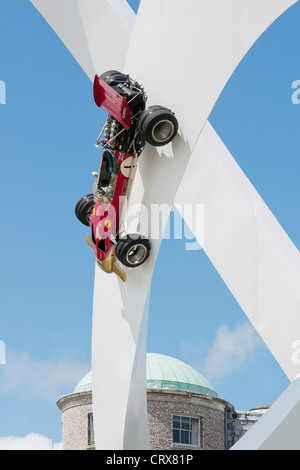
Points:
[85,384]
[164,372]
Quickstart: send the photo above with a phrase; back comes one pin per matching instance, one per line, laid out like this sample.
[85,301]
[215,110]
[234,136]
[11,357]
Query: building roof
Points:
[169,373]
[164,372]
[85,384]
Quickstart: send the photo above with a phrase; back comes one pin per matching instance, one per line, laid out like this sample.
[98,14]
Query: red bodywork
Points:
[107,98]
[105,218]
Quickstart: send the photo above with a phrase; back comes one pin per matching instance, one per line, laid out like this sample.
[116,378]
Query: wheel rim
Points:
[136,254]
[163,131]
[88,214]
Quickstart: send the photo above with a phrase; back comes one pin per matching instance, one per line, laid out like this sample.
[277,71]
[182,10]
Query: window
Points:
[91,439]
[186,431]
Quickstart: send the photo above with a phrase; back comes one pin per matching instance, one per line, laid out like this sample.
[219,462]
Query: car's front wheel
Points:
[158,125]
[133,250]
[84,208]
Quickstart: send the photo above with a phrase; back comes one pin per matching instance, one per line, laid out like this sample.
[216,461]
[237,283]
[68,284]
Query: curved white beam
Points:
[278,428]
[97,33]
[248,247]
[156,36]
[185,52]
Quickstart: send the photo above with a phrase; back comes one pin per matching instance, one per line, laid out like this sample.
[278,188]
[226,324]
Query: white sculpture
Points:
[209,53]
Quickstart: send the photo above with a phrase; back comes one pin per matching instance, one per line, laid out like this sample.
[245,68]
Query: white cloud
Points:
[23,378]
[43,379]
[30,442]
[231,350]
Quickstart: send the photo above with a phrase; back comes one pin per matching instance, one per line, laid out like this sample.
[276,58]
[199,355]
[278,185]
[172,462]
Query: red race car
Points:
[128,128]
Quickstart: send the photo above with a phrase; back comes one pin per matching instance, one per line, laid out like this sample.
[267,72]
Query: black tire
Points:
[133,250]
[113,77]
[158,125]
[84,209]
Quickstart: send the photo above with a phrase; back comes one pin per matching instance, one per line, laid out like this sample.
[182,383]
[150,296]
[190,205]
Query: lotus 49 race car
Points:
[128,129]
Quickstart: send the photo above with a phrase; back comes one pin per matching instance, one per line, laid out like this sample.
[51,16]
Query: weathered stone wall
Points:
[75,410]
[163,404]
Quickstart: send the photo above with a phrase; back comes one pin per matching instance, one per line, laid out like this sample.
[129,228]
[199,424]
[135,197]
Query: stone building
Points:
[184,411]
[244,420]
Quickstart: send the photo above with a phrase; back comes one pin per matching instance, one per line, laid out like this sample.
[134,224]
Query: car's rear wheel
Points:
[133,250]
[113,77]
[84,207]
[158,125]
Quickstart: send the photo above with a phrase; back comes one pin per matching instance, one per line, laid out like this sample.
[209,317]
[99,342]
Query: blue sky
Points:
[48,129]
